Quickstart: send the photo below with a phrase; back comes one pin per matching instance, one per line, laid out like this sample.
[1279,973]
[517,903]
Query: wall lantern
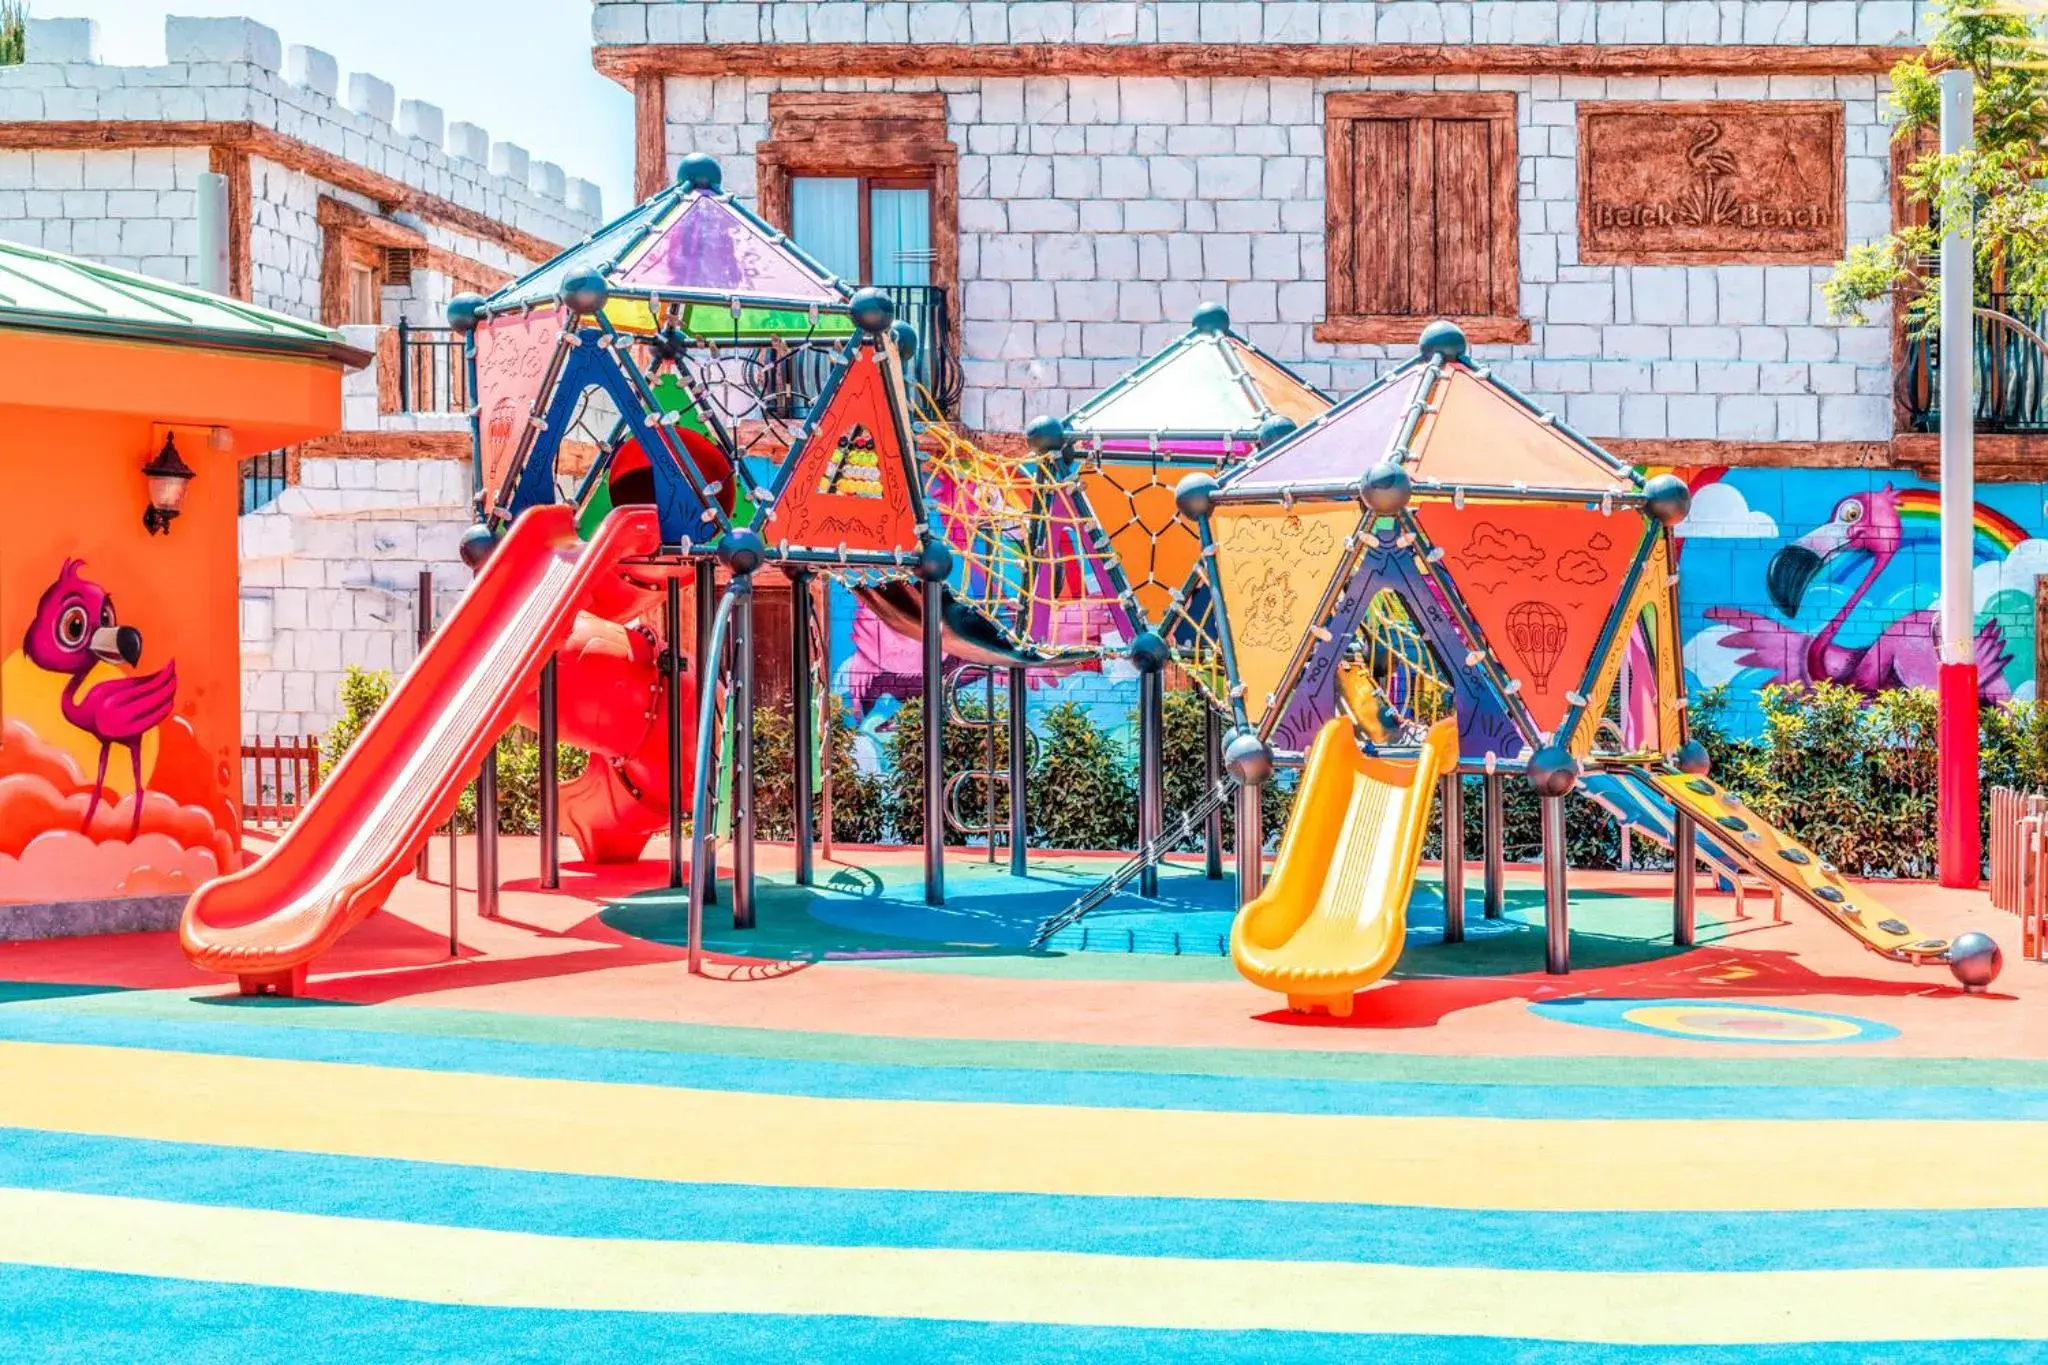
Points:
[166,477]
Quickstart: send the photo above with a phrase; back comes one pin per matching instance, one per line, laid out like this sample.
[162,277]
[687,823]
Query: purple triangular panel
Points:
[1351,439]
[709,248]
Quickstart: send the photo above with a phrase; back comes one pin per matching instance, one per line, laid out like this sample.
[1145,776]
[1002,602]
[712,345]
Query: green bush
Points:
[965,748]
[857,806]
[364,691]
[1186,762]
[1083,791]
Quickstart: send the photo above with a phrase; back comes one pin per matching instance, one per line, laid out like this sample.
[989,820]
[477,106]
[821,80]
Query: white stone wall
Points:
[330,576]
[132,209]
[1097,213]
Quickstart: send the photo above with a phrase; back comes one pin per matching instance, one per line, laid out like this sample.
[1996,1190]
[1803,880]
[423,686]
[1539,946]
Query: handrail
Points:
[1145,857]
[741,586]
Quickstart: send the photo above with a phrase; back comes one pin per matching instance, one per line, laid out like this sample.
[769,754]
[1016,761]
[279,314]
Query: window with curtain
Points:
[869,231]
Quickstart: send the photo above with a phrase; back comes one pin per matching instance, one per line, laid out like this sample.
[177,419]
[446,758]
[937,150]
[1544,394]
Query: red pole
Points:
[1960,839]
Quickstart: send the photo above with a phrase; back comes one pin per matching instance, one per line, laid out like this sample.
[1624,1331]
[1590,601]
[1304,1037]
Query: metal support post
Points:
[1454,858]
[1557,929]
[934,745]
[1960,852]
[672,628]
[743,762]
[550,780]
[1212,835]
[709,670]
[1494,837]
[1684,876]
[487,836]
[1151,778]
[803,697]
[1251,844]
[423,627]
[1020,749]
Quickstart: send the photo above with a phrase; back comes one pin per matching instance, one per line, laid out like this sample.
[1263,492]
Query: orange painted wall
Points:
[78,419]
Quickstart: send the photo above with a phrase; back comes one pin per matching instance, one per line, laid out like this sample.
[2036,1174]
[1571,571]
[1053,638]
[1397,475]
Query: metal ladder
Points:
[1093,899]
[991,723]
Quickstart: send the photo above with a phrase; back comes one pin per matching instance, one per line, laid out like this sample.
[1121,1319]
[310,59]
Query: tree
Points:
[2003,182]
[13,32]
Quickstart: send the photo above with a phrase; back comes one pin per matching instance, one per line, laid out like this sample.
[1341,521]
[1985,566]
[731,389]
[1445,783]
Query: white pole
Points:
[213,232]
[1959,849]
[1958,406]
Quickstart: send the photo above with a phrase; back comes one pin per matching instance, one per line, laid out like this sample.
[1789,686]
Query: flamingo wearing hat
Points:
[74,631]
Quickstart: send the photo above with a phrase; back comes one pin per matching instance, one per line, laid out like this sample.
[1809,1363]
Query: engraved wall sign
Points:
[1710,183]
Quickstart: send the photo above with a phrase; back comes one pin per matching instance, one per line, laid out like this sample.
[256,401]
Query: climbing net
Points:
[1401,664]
[1029,557]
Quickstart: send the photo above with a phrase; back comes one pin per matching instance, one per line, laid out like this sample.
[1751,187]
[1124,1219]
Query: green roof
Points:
[43,291]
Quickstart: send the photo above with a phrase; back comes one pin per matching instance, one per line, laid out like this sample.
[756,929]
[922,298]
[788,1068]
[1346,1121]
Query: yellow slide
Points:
[1333,919]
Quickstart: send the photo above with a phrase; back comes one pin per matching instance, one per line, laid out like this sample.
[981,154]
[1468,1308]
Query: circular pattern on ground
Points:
[1715,1022]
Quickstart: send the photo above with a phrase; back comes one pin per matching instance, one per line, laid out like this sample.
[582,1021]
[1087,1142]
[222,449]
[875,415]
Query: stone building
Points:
[1629,205]
[352,207]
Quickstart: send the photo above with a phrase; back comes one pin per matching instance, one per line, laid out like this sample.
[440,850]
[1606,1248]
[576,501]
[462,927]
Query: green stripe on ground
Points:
[880,1050]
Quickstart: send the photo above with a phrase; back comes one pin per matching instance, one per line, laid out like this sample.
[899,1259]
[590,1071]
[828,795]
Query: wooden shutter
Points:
[1421,212]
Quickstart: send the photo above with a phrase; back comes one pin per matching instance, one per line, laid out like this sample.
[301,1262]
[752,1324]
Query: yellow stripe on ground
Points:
[525,1270]
[660,1133]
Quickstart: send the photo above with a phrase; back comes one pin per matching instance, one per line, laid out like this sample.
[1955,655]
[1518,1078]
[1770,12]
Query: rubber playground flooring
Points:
[877,1134]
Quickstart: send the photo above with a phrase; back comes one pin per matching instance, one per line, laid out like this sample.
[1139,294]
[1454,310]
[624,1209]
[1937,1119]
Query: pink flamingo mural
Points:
[1906,653]
[74,631]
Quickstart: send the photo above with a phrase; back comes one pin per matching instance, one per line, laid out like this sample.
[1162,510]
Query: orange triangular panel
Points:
[1284,393]
[1274,570]
[513,354]
[1134,506]
[848,482]
[1481,436]
[1540,579]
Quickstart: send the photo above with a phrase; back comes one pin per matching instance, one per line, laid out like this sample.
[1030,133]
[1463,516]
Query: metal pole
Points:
[1684,876]
[1151,739]
[710,667]
[802,698]
[1960,852]
[454,905]
[487,837]
[550,781]
[701,779]
[1212,756]
[831,725]
[1494,835]
[988,759]
[1251,844]
[934,745]
[743,759]
[1454,858]
[672,629]
[1020,748]
[1557,932]
[423,630]
[212,206]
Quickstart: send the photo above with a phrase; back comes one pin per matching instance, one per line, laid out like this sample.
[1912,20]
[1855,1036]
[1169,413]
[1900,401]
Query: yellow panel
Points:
[1274,569]
[630,315]
[1651,591]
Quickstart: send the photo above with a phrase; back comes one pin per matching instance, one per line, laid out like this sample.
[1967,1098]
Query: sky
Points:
[520,68]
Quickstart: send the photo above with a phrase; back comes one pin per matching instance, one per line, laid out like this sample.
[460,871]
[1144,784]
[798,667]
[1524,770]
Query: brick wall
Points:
[132,209]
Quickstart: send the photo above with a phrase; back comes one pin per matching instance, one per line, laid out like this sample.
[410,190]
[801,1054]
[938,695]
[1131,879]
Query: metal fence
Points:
[432,374]
[2012,373]
[264,477]
[788,384]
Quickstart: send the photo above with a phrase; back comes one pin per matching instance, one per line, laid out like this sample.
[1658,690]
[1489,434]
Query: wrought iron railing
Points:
[788,383]
[264,477]
[2011,354]
[432,375]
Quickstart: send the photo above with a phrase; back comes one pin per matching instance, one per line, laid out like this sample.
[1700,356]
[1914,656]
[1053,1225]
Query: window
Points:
[264,478]
[862,229]
[1421,214]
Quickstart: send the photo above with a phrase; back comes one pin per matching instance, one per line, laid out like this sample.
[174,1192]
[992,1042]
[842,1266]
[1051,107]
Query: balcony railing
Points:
[788,384]
[2011,357]
[432,375]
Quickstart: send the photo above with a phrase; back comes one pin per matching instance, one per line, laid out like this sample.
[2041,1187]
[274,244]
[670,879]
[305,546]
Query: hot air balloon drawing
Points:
[1536,630]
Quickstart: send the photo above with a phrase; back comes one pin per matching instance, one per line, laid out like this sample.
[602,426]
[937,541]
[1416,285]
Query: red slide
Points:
[403,776]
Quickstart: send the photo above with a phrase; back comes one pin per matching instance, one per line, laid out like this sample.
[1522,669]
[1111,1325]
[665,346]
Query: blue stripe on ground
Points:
[1085,1089]
[52,1314]
[601,1206]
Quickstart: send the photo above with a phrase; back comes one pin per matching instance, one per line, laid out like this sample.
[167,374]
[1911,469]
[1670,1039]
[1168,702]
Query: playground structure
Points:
[1430,576]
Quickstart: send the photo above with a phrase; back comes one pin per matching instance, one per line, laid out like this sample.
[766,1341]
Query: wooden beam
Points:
[226,161]
[650,135]
[627,63]
[1402,331]
[1757,454]
[249,139]
[336,215]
